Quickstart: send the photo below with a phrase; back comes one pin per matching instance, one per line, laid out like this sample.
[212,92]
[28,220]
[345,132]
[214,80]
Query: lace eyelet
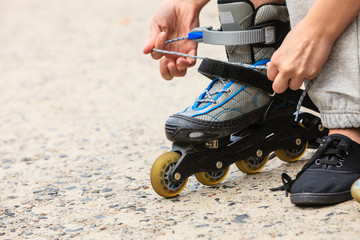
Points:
[317,162]
[229,91]
[272,94]
[339,165]
[215,102]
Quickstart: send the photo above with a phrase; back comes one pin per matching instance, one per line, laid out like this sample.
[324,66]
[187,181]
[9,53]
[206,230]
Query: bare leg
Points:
[353,133]
[262,2]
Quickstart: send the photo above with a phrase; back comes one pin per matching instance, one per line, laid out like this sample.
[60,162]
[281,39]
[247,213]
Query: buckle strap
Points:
[213,68]
[264,35]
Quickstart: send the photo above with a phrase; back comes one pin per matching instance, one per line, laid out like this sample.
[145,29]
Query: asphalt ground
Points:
[82,120]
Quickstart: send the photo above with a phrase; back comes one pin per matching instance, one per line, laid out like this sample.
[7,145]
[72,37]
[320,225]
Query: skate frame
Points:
[277,130]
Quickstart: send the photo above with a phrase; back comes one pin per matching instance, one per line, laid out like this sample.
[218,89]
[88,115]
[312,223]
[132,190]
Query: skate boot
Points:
[236,120]
[226,105]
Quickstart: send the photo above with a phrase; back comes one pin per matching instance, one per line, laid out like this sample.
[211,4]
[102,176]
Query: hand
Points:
[301,56]
[174,19]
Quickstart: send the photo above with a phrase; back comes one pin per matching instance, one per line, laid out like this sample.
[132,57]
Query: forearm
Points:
[329,18]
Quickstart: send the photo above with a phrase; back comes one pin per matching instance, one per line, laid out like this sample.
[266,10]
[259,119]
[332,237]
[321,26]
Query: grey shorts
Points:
[336,91]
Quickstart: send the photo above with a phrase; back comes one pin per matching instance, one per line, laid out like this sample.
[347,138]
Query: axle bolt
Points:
[259,153]
[219,165]
[298,141]
[321,127]
[177,176]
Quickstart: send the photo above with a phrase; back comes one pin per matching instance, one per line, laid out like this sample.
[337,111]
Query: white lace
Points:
[209,96]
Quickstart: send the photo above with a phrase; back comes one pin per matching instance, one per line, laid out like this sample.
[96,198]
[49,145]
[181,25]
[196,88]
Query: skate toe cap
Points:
[180,128]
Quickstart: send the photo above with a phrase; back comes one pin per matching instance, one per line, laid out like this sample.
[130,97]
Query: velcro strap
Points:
[213,68]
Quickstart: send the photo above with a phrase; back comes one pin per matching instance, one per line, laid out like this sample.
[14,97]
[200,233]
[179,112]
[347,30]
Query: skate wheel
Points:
[252,165]
[291,155]
[355,190]
[212,178]
[160,175]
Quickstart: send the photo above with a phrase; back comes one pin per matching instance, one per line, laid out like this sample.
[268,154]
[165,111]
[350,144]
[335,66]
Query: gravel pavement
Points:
[82,120]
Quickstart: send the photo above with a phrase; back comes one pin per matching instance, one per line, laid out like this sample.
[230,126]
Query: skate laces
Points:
[208,97]
[301,99]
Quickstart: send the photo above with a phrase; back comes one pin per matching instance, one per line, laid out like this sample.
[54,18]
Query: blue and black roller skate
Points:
[237,119]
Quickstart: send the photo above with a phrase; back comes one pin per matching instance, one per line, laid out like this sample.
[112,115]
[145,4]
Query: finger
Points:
[174,71]
[281,83]
[295,83]
[191,61]
[149,46]
[154,32]
[183,63]
[272,71]
[164,71]
[159,44]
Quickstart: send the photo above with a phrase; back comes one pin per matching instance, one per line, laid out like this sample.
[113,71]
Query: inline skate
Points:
[238,119]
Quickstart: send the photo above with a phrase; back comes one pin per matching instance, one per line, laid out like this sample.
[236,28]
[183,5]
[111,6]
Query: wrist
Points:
[200,3]
[314,30]
[197,4]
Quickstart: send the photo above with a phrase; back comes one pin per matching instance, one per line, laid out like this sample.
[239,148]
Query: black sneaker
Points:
[328,176]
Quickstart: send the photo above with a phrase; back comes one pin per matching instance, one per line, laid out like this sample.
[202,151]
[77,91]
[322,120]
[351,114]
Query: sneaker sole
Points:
[316,199]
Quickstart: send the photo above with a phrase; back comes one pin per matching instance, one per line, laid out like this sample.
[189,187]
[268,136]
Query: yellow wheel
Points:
[252,164]
[355,190]
[160,175]
[212,178]
[291,155]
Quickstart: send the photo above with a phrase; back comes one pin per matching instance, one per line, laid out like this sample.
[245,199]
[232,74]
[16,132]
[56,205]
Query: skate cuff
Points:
[213,68]
[265,35]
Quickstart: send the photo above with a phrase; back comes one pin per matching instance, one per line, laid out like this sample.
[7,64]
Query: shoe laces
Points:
[209,96]
[331,152]
[334,153]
